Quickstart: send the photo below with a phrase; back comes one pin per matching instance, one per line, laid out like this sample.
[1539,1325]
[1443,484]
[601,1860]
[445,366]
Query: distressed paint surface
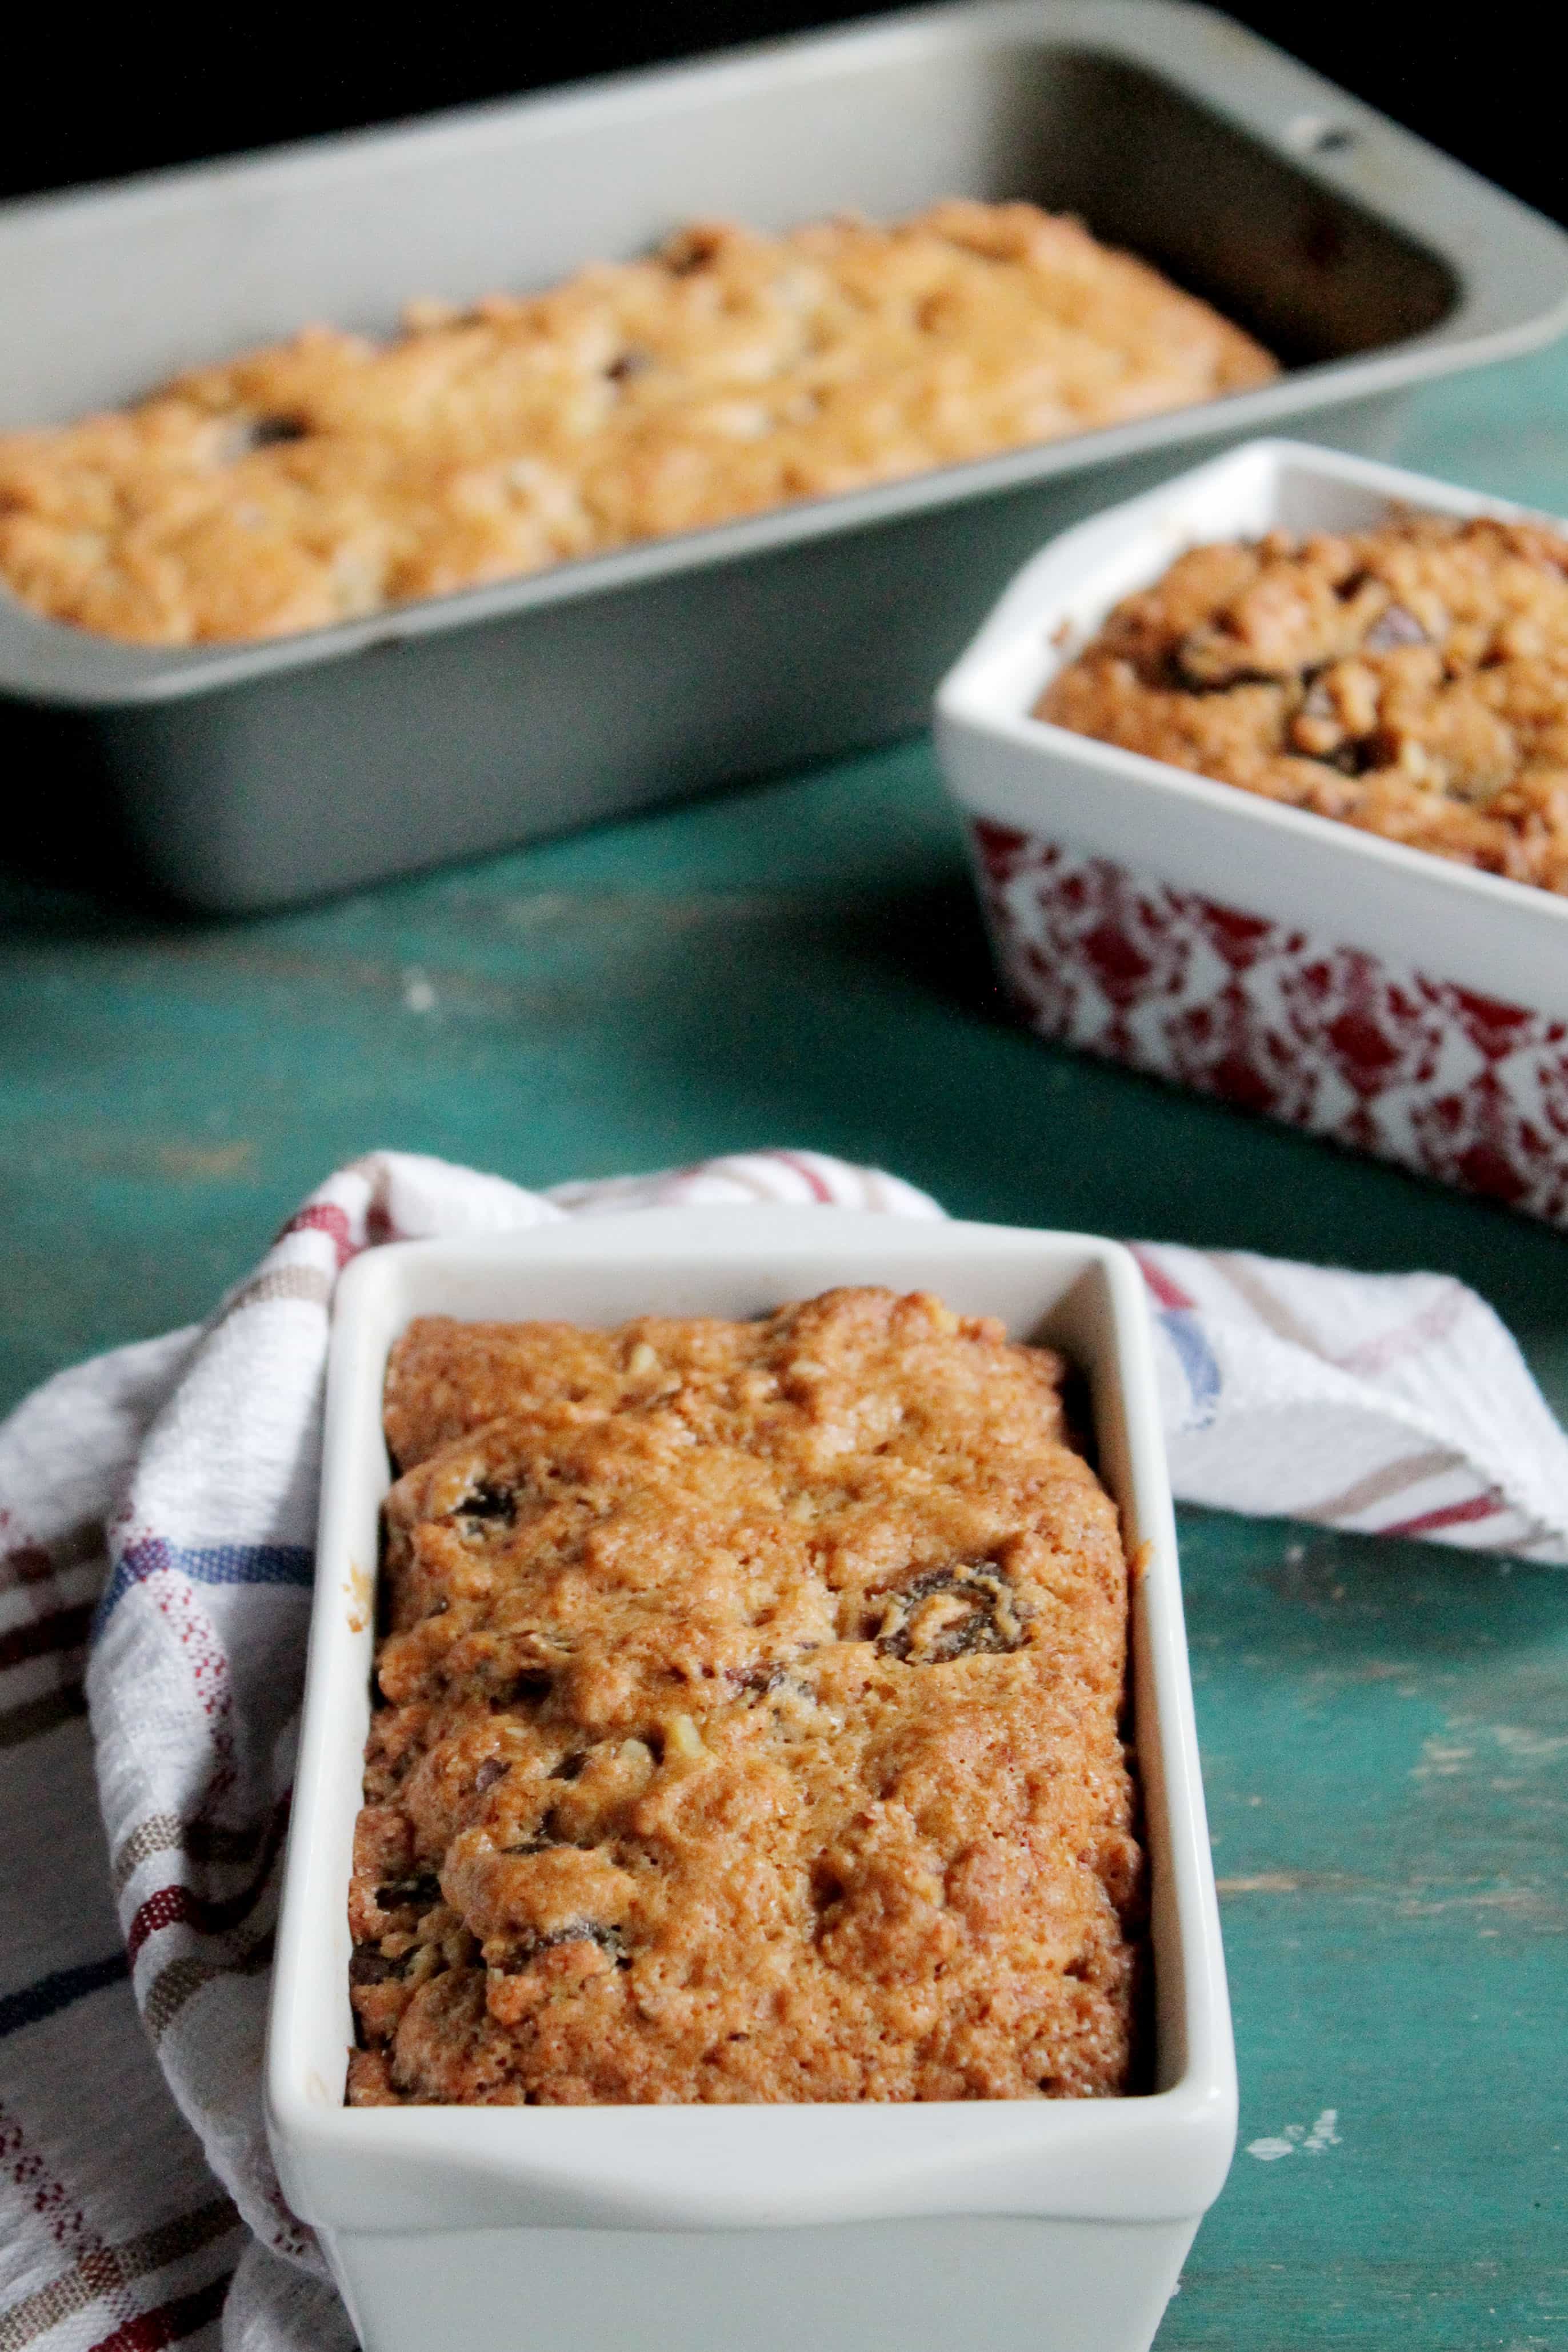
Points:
[1385,1728]
[1386,1750]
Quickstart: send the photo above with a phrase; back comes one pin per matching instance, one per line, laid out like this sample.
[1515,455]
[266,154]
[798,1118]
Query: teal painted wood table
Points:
[1385,1726]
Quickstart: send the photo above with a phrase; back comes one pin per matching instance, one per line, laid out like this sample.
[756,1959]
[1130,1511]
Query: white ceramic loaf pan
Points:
[234,777]
[1392,1000]
[1050,2226]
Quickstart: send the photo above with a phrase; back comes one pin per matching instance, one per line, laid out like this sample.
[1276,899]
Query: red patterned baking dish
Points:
[1390,999]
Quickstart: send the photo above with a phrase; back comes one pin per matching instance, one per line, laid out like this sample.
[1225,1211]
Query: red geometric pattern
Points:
[1330,1038]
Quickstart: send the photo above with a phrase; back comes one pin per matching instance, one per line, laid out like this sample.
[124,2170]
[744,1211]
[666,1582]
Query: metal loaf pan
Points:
[229,778]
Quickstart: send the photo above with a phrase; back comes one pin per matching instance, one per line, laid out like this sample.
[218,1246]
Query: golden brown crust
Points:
[1410,681]
[750,1721]
[326,477]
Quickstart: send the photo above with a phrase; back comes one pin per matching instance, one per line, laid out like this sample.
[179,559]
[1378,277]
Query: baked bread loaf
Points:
[330,476]
[1411,680]
[747,1722]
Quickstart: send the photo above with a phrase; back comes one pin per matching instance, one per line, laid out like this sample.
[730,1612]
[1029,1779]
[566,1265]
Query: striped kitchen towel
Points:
[161,1498]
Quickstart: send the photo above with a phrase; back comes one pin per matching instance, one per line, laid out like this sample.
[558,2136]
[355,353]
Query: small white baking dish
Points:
[1377,994]
[1058,2226]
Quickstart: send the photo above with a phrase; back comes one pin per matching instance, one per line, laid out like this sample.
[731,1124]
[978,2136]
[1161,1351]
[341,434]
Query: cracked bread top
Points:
[327,478]
[1411,680]
[748,1721]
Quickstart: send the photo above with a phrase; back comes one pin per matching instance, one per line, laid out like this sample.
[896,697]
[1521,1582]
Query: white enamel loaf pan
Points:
[1392,1000]
[230,777]
[1050,2226]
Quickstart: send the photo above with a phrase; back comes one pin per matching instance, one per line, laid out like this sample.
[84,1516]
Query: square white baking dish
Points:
[1387,998]
[231,777]
[1058,2226]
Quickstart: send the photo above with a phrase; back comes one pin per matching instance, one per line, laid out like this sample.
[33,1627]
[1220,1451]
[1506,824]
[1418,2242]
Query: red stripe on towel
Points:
[325,1217]
[1451,1515]
[820,1189]
[62,1629]
[174,1906]
[171,2323]
[1169,1294]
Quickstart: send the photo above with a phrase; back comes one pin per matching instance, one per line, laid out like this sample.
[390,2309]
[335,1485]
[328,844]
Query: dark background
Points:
[133,90]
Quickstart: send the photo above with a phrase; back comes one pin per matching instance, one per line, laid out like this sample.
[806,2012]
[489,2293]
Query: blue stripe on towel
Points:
[37,2002]
[1198,1361]
[211,1564]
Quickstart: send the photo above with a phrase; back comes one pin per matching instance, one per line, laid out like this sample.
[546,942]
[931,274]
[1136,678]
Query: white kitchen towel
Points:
[163,1498]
